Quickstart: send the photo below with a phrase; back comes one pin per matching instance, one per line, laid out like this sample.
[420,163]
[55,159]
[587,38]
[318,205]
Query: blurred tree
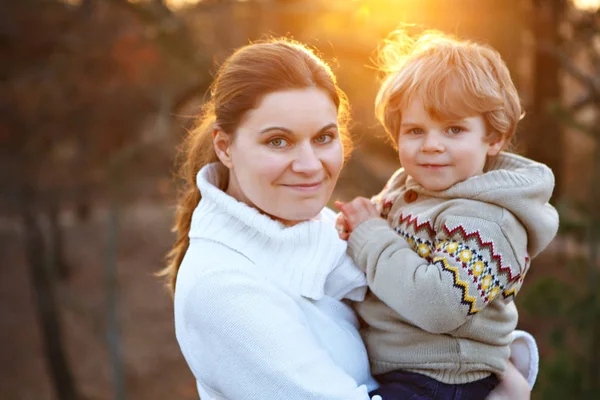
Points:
[543,135]
[573,304]
[75,89]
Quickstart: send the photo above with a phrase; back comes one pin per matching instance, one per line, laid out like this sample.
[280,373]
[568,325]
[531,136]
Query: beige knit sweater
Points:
[444,268]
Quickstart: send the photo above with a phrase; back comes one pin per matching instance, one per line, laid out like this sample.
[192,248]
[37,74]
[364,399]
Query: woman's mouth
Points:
[305,187]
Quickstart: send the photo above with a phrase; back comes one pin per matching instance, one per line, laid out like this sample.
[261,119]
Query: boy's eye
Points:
[325,138]
[416,131]
[278,142]
[455,129]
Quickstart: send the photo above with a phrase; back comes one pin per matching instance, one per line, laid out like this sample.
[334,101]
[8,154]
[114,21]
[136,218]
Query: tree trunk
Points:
[115,352]
[544,134]
[45,302]
[56,243]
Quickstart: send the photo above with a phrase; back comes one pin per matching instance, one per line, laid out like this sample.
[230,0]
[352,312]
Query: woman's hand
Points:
[341,225]
[513,386]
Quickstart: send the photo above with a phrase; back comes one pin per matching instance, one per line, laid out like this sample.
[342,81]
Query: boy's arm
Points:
[459,277]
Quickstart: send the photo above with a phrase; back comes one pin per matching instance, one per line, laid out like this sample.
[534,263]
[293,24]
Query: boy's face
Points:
[439,154]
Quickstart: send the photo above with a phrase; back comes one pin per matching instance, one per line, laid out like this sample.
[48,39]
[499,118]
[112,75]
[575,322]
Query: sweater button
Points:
[410,196]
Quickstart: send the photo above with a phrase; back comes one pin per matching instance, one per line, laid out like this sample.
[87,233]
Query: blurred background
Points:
[97,94]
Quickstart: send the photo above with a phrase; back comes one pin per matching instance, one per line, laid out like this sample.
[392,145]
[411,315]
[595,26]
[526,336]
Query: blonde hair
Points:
[453,78]
[252,72]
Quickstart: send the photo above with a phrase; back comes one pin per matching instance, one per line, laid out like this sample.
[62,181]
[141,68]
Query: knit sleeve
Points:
[438,286]
[246,339]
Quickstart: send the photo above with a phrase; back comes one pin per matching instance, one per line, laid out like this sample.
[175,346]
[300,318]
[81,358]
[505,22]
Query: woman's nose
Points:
[306,160]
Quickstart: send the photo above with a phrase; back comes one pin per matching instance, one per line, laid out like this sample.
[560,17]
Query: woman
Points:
[260,277]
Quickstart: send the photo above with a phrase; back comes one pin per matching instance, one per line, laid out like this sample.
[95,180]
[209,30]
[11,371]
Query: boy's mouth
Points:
[433,166]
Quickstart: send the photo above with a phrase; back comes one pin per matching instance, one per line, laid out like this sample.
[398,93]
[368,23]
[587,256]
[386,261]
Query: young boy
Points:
[447,243]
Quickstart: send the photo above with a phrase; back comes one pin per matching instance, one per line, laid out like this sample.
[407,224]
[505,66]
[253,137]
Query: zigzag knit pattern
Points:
[477,270]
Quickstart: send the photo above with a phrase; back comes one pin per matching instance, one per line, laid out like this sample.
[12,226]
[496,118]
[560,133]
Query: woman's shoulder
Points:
[210,281]
[205,255]
[208,262]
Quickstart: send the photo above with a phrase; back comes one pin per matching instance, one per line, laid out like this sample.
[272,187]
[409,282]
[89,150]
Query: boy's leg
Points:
[477,390]
[402,385]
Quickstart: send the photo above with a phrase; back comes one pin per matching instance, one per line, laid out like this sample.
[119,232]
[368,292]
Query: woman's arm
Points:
[513,386]
[245,338]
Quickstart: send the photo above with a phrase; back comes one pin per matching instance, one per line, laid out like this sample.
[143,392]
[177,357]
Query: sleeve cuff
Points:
[525,356]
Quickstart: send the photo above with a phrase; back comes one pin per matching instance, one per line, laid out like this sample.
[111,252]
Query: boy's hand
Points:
[356,212]
[342,226]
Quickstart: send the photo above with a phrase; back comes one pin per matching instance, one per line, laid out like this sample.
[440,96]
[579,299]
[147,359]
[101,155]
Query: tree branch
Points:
[570,66]
[582,101]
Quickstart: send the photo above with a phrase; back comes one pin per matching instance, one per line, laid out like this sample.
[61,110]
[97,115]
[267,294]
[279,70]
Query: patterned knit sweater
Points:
[443,268]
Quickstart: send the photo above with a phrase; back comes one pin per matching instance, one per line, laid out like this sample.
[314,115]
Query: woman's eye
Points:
[278,142]
[455,129]
[322,139]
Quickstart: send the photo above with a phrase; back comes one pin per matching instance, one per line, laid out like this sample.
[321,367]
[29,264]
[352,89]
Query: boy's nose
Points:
[431,143]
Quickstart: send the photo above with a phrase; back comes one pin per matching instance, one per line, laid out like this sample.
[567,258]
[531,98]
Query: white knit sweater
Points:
[258,305]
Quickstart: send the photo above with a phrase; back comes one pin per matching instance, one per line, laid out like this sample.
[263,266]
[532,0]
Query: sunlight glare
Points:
[363,13]
[174,4]
[588,5]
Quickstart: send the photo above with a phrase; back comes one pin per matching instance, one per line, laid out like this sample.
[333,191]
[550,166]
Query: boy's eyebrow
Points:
[462,121]
[290,132]
[458,121]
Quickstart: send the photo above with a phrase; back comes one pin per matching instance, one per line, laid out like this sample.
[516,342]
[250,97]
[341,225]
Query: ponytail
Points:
[197,152]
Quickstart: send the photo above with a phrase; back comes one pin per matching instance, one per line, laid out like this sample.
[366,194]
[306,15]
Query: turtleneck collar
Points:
[300,257]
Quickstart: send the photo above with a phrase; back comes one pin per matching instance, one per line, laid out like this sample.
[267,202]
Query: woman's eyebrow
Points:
[327,127]
[275,128]
[289,131]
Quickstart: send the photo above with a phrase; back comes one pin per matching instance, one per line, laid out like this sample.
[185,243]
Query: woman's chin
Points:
[295,217]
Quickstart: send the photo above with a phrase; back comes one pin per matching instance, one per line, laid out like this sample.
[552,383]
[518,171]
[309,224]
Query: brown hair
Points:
[252,72]
[454,79]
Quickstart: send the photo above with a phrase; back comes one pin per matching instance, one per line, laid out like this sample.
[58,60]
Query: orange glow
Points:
[363,13]
[590,5]
[174,4]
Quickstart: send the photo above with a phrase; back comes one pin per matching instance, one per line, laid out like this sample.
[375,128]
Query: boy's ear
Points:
[222,145]
[496,145]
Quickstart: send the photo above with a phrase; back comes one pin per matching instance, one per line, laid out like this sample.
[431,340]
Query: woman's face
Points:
[286,155]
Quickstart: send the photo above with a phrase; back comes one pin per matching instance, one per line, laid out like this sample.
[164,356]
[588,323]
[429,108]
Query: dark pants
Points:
[401,385]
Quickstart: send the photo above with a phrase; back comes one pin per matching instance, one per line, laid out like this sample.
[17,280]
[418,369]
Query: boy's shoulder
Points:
[457,211]
[395,182]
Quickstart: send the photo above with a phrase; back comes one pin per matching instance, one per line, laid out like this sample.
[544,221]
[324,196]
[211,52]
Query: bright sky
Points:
[180,3]
[591,5]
